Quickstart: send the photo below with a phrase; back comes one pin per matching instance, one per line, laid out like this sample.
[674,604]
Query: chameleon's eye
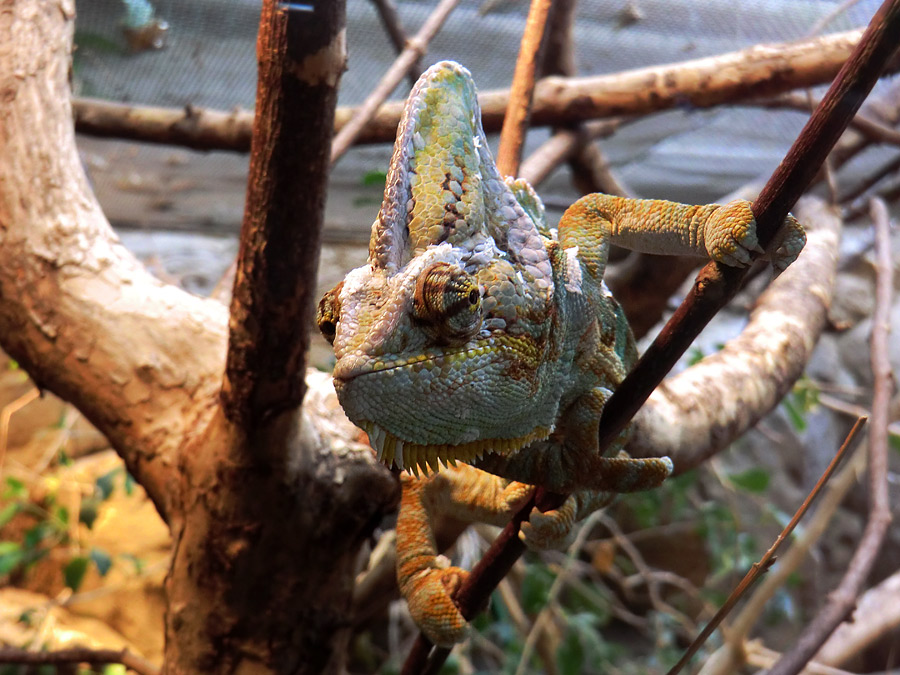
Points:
[449,300]
[328,313]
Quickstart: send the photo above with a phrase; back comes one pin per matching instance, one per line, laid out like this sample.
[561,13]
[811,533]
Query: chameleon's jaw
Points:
[392,451]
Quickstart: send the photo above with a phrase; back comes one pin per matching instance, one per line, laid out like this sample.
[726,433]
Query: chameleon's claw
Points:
[552,529]
[432,608]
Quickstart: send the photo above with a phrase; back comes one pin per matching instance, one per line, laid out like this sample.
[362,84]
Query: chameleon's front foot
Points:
[730,237]
[429,595]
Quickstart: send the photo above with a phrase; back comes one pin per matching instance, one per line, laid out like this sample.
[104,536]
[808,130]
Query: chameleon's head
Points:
[440,337]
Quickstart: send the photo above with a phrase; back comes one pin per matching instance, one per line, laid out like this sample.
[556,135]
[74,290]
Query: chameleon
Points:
[478,345]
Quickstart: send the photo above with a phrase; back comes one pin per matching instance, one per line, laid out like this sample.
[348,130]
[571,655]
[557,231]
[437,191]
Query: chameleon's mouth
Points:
[393,451]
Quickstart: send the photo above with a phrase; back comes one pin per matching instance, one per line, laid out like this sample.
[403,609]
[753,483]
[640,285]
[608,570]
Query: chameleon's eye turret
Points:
[449,301]
[328,313]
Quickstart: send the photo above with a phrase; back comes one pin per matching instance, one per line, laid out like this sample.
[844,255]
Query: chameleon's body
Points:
[476,334]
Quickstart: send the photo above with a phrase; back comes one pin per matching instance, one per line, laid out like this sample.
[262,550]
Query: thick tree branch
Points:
[695,414]
[717,284]
[763,70]
[80,314]
[273,297]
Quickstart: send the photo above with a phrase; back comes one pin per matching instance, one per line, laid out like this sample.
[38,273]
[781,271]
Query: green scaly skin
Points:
[478,346]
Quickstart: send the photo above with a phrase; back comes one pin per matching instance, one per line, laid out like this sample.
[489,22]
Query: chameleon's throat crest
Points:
[392,451]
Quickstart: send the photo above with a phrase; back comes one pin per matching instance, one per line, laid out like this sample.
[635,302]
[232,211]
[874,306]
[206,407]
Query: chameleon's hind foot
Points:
[429,595]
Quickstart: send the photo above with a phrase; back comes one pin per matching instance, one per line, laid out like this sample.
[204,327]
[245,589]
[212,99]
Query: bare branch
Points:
[698,412]
[518,110]
[414,50]
[877,613]
[764,70]
[842,600]
[768,559]
[76,655]
[387,12]
[77,311]
[273,297]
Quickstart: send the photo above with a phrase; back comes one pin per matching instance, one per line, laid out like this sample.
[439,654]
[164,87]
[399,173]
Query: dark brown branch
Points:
[387,12]
[518,110]
[842,601]
[414,50]
[77,655]
[274,288]
[765,71]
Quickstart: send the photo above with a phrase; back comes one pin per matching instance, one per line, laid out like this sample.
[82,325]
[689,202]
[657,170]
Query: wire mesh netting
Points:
[208,59]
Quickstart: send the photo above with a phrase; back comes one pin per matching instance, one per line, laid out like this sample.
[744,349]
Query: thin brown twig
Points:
[841,601]
[78,655]
[560,147]
[390,19]
[768,557]
[521,93]
[414,50]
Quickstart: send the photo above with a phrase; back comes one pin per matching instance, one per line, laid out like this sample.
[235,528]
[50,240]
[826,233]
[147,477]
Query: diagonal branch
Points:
[843,599]
[414,50]
[717,284]
[521,93]
[77,310]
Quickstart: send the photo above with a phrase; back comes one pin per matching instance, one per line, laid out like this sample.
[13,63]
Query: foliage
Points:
[44,525]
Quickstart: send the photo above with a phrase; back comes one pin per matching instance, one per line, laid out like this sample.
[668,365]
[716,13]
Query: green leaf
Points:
[37,534]
[894,441]
[63,458]
[798,421]
[106,483]
[695,356]
[535,587]
[752,480]
[62,515]
[102,560]
[11,556]
[374,178]
[8,512]
[570,655]
[15,489]
[74,571]
[87,514]
[137,562]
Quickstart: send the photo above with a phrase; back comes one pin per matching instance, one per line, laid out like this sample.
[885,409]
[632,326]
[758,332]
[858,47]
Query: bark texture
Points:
[267,521]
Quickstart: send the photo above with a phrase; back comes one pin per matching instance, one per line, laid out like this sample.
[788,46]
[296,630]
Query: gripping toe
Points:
[430,599]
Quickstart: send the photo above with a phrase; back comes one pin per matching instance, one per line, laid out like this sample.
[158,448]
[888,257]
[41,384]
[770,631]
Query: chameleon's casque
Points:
[476,333]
